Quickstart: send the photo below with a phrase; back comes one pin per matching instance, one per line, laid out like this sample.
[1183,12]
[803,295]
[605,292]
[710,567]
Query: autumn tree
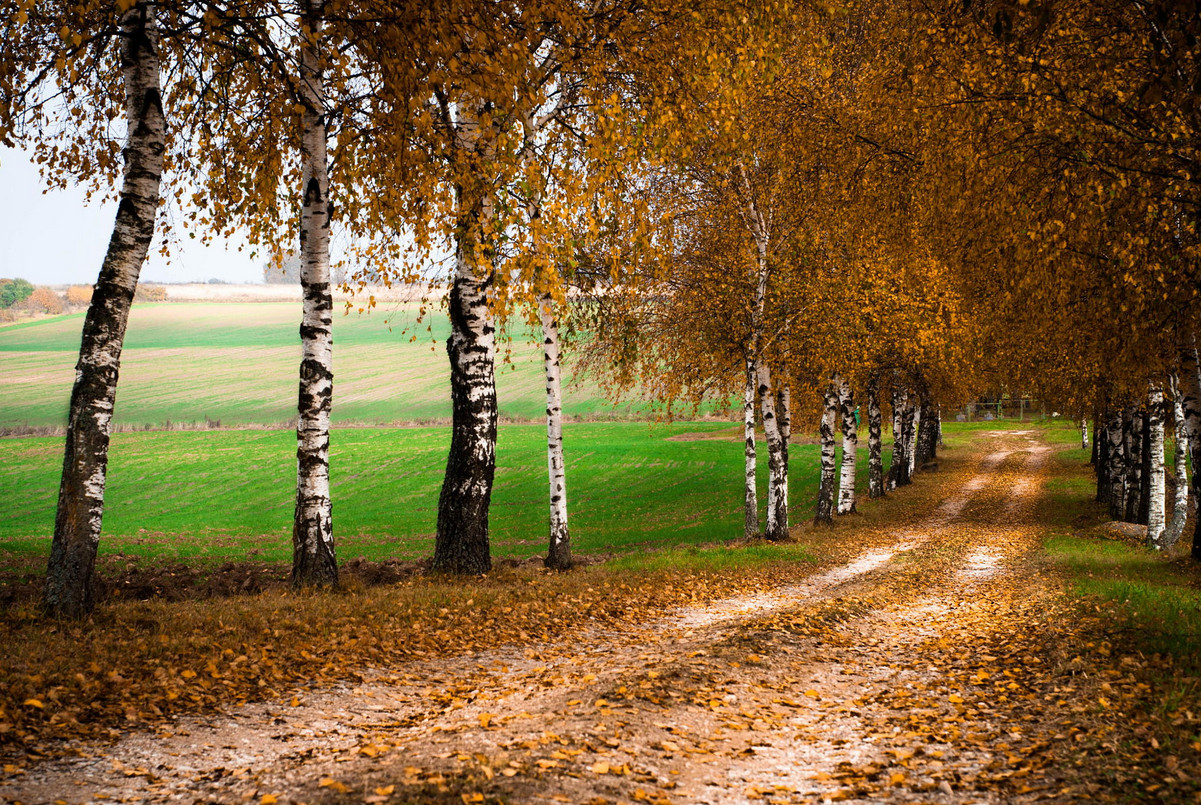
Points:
[57,69]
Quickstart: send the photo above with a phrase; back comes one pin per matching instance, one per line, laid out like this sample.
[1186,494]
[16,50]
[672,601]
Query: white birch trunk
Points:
[1175,527]
[824,511]
[850,449]
[1083,434]
[1156,484]
[1133,437]
[461,544]
[559,552]
[784,418]
[777,478]
[912,429]
[875,458]
[69,590]
[313,557]
[1190,388]
[750,493]
[902,439]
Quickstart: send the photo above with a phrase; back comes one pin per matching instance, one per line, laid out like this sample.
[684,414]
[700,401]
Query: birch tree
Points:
[68,68]
[313,556]
[875,463]
[824,514]
[850,443]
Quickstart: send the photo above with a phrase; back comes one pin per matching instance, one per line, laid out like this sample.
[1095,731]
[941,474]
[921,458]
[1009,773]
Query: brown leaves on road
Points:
[954,671]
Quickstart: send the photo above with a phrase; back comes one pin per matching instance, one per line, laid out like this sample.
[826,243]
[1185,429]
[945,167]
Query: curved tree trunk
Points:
[69,576]
[461,544]
[1175,526]
[825,489]
[750,503]
[1156,481]
[875,461]
[314,561]
[777,462]
[850,449]
[558,554]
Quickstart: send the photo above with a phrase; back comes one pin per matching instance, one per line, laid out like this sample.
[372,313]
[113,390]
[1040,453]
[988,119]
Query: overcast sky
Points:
[57,237]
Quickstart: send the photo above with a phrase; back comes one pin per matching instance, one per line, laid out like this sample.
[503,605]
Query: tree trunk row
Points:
[1129,457]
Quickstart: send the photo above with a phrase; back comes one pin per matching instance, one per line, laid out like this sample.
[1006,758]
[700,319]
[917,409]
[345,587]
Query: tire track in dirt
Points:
[667,711]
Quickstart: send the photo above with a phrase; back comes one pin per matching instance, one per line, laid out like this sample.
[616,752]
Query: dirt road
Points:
[923,670]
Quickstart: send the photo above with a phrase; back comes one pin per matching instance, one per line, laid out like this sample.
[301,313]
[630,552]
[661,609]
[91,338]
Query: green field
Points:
[226,495]
[237,363]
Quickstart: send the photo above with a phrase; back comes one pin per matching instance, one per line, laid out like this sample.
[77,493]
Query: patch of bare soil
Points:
[932,667]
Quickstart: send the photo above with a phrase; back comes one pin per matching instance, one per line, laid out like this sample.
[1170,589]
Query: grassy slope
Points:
[1158,595]
[237,363]
[223,494]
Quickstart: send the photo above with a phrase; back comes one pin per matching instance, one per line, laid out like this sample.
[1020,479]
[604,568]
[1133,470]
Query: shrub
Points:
[79,295]
[44,300]
[150,293]
[14,291]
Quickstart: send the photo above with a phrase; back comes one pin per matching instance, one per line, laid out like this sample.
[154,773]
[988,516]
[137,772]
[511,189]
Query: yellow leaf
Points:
[35,703]
[485,719]
[334,785]
[268,799]
[897,778]
[955,698]
[599,768]
[385,790]
[812,694]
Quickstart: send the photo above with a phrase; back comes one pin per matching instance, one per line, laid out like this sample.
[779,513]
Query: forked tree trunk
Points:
[777,462]
[1156,481]
[313,558]
[850,449]
[69,590]
[461,544]
[875,459]
[558,554]
[750,502]
[1179,516]
[1117,466]
[1133,437]
[824,513]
